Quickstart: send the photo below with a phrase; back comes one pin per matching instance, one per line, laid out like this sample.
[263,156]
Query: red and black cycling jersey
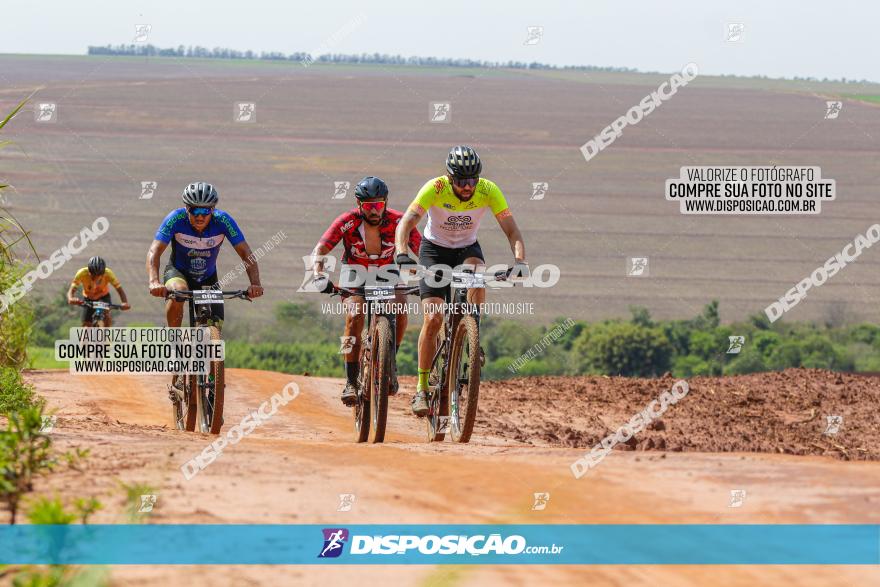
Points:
[348,227]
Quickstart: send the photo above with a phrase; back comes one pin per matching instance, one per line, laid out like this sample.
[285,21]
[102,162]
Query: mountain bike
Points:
[454,381]
[101,310]
[200,401]
[377,359]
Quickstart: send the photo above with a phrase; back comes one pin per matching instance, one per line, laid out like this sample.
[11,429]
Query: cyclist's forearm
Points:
[401,238]
[318,258]
[518,246]
[122,295]
[250,262]
[253,272]
[153,257]
[153,269]
[71,293]
[514,236]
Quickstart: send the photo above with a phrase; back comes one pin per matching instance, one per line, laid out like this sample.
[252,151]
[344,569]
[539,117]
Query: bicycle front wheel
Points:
[464,379]
[186,410]
[361,409]
[211,393]
[380,377]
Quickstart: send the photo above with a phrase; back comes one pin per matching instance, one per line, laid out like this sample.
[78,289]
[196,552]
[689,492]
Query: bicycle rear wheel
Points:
[380,377]
[464,379]
[438,399]
[211,393]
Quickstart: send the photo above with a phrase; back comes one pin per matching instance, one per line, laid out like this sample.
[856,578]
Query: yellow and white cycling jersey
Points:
[451,222]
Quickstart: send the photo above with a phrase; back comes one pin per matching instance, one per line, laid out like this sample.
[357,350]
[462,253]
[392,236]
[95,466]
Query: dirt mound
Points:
[780,412]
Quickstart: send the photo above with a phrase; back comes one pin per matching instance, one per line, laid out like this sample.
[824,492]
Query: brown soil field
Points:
[293,467]
[784,413]
[123,120]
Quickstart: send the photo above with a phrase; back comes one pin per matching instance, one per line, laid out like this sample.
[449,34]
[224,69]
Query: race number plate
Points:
[463,279]
[100,305]
[378,293]
[207,296]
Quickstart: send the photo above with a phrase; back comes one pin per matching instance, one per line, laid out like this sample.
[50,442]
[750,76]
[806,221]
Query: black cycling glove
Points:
[403,259]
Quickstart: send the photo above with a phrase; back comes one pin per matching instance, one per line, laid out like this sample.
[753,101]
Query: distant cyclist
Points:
[95,280]
[367,233]
[195,233]
[455,204]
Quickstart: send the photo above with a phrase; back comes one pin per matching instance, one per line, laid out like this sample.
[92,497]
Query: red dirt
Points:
[292,469]
[767,412]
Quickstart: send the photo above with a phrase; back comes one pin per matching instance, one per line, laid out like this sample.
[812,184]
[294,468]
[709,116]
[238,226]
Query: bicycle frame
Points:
[204,383]
[458,296]
[372,311]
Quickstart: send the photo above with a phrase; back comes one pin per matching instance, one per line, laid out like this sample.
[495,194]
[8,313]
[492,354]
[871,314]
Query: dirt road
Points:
[293,468]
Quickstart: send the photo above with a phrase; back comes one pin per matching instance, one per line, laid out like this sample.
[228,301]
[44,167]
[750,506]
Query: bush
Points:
[817,352]
[786,354]
[749,360]
[866,333]
[765,342]
[508,339]
[54,319]
[314,358]
[15,394]
[621,348]
[690,366]
[24,454]
[16,321]
[49,511]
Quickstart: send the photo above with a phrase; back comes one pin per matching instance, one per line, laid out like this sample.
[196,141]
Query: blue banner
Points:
[692,544]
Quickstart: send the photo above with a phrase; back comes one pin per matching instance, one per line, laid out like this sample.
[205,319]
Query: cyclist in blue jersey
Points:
[195,233]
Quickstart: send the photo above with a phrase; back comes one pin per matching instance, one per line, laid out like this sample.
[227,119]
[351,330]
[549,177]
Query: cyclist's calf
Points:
[433,315]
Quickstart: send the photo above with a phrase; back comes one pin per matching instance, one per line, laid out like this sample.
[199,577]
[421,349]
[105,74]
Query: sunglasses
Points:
[470,182]
[370,206]
[200,211]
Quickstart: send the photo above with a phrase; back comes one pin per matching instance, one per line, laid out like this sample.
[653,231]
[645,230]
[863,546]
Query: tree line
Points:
[140,50]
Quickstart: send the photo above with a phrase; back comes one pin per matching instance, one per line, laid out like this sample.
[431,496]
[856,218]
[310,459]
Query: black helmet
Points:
[463,162]
[97,265]
[200,193]
[369,188]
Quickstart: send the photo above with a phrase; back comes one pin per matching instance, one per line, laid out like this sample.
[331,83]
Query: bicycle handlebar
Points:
[405,290]
[186,294]
[91,303]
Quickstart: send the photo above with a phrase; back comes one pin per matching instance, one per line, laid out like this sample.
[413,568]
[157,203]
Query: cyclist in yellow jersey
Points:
[455,204]
[95,280]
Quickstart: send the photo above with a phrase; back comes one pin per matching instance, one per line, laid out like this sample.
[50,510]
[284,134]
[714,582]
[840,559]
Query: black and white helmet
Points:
[200,193]
[97,265]
[463,162]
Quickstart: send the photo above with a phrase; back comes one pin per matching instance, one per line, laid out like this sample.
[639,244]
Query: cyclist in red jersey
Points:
[367,233]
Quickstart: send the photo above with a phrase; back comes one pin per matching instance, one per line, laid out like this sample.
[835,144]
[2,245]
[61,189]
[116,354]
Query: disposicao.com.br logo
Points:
[430,544]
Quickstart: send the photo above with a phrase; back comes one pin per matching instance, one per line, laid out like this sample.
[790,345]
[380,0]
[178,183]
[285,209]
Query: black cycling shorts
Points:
[431,254]
[89,311]
[209,282]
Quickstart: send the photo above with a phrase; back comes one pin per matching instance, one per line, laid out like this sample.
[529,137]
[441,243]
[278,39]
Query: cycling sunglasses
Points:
[369,206]
[200,211]
[469,182]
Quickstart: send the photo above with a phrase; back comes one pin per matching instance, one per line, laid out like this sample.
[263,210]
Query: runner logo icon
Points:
[334,541]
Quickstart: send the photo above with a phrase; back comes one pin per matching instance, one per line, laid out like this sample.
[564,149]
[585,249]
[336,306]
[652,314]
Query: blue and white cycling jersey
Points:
[196,254]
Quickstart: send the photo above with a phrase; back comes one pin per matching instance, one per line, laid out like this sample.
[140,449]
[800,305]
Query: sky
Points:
[779,38]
